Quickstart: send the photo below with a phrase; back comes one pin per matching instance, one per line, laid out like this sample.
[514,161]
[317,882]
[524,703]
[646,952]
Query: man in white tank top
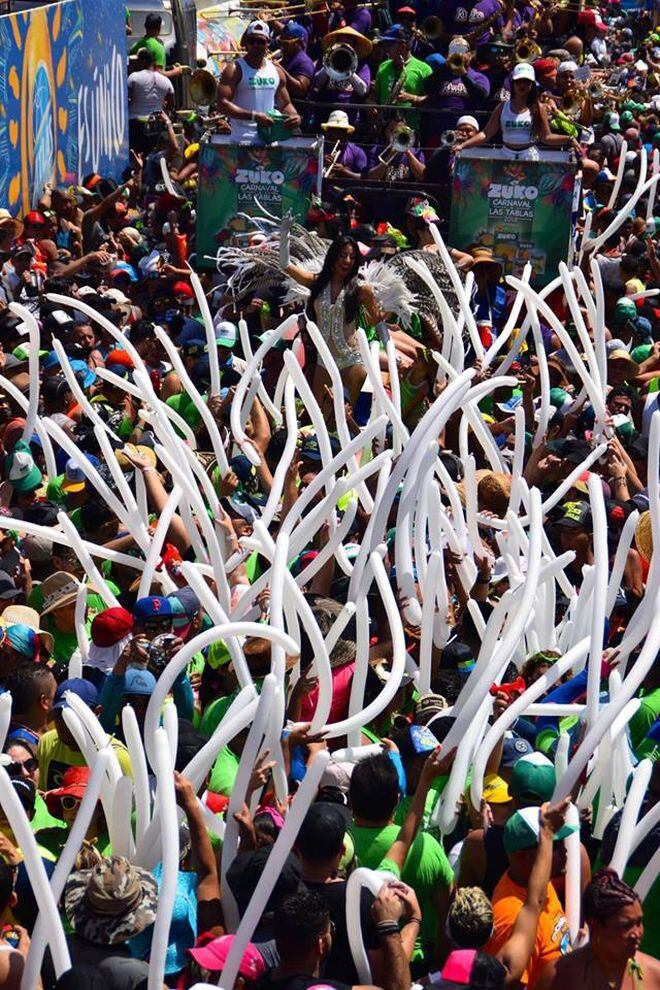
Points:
[252,86]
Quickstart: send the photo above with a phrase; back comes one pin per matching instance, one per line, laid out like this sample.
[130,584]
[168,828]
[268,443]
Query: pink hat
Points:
[214,955]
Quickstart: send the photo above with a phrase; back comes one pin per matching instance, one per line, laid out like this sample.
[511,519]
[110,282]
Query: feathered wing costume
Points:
[398,289]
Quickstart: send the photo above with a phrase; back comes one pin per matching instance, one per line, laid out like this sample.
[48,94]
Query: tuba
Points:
[526,50]
[572,103]
[340,62]
[203,88]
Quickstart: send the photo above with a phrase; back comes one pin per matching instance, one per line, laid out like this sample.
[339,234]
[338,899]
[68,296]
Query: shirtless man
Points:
[611,960]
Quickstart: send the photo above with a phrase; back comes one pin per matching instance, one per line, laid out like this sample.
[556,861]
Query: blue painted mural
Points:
[63,97]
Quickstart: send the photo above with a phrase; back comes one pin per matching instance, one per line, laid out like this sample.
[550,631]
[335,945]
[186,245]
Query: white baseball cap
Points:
[468,121]
[523,71]
[458,46]
[258,27]
[566,67]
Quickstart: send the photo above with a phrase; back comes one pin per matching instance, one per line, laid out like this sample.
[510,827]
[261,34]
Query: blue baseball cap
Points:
[139,682]
[396,32]
[51,360]
[514,748]
[292,31]
[77,685]
[436,60]
[83,373]
[152,607]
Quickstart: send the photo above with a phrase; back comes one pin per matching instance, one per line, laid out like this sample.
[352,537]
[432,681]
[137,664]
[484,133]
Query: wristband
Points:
[387,927]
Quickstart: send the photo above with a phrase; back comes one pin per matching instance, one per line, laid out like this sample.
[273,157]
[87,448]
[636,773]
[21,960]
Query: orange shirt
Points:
[552,934]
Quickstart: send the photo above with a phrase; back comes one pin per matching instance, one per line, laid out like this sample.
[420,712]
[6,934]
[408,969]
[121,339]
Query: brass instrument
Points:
[289,10]
[334,158]
[572,102]
[456,64]
[448,139]
[526,50]
[340,61]
[402,140]
[224,56]
[203,88]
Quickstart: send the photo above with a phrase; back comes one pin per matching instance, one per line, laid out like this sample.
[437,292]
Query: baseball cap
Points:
[8,589]
[258,27]
[533,778]
[572,450]
[213,957]
[513,750]
[458,656]
[111,626]
[472,968]
[137,681]
[322,832]
[523,71]
[495,789]
[568,66]
[396,32]
[183,289]
[575,515]
[226,333]
[85,690]
[311,451]
[468,120]
[20,469]
[612,120]
[246,870]
[523,829]
[152,607]
[292,31]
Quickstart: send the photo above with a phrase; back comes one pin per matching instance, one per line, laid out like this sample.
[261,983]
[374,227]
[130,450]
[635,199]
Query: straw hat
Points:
[23,615]
[7,220]
[644,536]
[338,119]
[493,491]
[59,589]
[349,36]
[622,355]
[140,449]
[484,256]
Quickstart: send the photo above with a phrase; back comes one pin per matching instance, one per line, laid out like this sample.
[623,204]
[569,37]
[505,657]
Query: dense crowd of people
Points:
[148,462]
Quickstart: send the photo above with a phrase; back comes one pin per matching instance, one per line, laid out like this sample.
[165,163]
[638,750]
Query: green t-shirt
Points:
[224,772]
[153,45]
[66,643]
[55,759]
[214,713]
[426,868]
[644,717]
[415,72]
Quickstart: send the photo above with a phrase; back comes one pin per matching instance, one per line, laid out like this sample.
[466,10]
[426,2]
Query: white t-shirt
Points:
[256,91]
[516,127]
[147,92]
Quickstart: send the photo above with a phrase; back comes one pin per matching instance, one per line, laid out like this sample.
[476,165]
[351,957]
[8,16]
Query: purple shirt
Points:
[456,16]
[353,157]
[398,168]
[481,12]
[341,92]
[300,65]
[358,18]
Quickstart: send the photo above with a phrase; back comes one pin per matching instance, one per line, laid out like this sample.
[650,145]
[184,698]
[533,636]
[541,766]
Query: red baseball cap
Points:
[74,784]
[119,357]
[183,289]
[35,218]
[111,626]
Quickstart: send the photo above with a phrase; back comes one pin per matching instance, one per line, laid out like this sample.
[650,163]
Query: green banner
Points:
[251,179]
[520,210]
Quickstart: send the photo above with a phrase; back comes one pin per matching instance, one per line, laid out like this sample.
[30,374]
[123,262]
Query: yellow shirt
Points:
[55,758]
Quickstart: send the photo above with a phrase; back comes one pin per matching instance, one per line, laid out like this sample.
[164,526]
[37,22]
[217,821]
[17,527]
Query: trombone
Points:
[274,13]
[431,29]
[402,140]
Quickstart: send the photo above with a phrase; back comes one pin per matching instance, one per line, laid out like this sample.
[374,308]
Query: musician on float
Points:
[453,89]
[400,78]
[344,77]
[343,160]
[396,159]
[296,64]
[252,87]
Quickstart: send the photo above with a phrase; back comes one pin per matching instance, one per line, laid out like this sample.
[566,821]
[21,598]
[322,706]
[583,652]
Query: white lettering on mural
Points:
[102,114]
[259,176]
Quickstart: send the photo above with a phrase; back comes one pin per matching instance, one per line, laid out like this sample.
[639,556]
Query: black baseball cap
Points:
[575,515]
[572,450]
[322,832]
[245,872]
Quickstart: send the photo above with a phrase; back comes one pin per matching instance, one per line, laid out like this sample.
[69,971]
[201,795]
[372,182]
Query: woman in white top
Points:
[522,120]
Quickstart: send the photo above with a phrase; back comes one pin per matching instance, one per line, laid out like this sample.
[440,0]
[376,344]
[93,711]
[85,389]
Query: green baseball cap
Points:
[624,309]
[21,471]
[533,779]
[523,829]
[558,397]
[641,353]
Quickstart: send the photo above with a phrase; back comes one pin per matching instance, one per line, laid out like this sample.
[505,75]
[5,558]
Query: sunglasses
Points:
[69,802]
[17,769]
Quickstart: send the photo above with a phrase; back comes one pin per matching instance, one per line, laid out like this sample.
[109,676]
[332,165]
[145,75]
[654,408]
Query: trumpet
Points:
[340,61]
[448,139]
[334,158]
[526,50]
[401,140]
[456,64]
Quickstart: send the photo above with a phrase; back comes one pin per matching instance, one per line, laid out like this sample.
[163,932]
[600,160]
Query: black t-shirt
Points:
[339,964]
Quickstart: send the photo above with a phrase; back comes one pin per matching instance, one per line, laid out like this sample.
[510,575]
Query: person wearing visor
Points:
[252,87]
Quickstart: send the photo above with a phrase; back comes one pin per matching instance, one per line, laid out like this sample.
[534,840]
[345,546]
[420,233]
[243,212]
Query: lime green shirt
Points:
[415,72]
[154,46]
[426,868]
